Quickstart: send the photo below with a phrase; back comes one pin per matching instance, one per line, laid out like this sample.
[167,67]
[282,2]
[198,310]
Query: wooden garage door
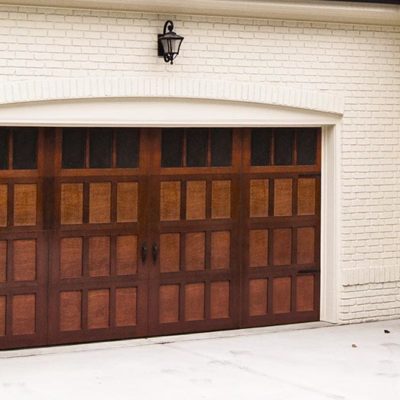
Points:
[111,233]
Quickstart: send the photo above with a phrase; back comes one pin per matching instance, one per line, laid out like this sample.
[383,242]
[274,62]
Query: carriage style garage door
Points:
[110,233]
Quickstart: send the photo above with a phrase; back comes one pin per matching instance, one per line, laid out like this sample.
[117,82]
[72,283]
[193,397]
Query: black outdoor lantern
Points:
[169,43]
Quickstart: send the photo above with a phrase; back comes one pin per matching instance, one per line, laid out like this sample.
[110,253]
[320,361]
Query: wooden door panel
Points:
[195,283]
[280,276]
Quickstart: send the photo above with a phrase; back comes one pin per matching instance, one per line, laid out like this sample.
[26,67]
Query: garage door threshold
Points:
[109,345]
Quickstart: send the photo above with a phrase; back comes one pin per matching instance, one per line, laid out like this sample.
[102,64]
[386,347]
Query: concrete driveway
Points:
[307,361]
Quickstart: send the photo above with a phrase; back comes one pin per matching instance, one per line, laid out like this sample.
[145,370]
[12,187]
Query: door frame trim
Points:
[125,102]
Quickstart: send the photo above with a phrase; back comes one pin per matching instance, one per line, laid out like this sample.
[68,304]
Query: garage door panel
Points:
[3,205]
[283,244]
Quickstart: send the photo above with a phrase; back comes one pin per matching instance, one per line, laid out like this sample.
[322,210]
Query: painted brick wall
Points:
[359,61]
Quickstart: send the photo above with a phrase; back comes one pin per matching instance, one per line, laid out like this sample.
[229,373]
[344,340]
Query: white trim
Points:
[173,102]
[330,223]
[168,87]
[314,10]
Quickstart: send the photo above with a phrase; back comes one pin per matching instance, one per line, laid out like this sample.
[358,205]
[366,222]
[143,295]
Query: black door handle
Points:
[154,251]
[144,252]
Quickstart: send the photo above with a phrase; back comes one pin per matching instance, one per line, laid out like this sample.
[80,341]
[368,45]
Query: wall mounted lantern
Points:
[169,43]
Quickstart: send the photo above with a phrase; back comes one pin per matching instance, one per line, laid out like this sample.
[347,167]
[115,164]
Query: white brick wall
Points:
[361,62]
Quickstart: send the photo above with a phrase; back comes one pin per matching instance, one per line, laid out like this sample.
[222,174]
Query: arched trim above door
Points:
[167,87]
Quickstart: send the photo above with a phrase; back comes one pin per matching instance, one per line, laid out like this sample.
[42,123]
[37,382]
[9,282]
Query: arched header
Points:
[53,89]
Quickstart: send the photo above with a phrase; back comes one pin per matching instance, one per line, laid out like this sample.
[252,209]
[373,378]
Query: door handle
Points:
[144,252]
[154,252]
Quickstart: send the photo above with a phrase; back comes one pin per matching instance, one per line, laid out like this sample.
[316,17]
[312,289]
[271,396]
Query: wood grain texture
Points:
[282,246]
[259,196]
[24,255]
[219,300]
[25,204]
[306,188]
[71,251]
[100,203]
[127,255]
[195,248]
[282,197]
[170,201]
[220,249]
[3,205]
[71,311]
[305,245]
[194,301]
[3,260]
[221,199]
[127,202]
[125,307]
[71,203]
[258,297]
[169,252]
[99,256]
[281,295]
[305,293]
[3,304]
[23,314]
[168,303]
[195,200]
[98,309]
[258,248]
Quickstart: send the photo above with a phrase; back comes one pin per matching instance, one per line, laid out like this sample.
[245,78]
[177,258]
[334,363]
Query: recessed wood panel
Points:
[3,261]
[170,201]
[127,202]
[258,248]
[220,249]
[23,314]
[195,200]
[125,307]
[282,246]
[100,203]
[168,303]
[282,197]
[258,297]
[25,204]
[71,203]
[71,257]
[305,245]
[71,311]
[281,295]
[306,196]
[221,199]
[305,293]
[195,251]
[169,252]
[259,194]
[98,309]
[219,300]
[126,255]
[99,256]
[3,315]
[194,301]
[24,255]
[3,205]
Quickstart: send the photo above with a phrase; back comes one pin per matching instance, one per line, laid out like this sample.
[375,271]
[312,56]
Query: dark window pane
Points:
[4,149]
[221,147]
[73,147]
[196,147]
[127,148]
[283,146]
[306,146]
[260,146]
[100,154]
[24,148]
[171,147]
